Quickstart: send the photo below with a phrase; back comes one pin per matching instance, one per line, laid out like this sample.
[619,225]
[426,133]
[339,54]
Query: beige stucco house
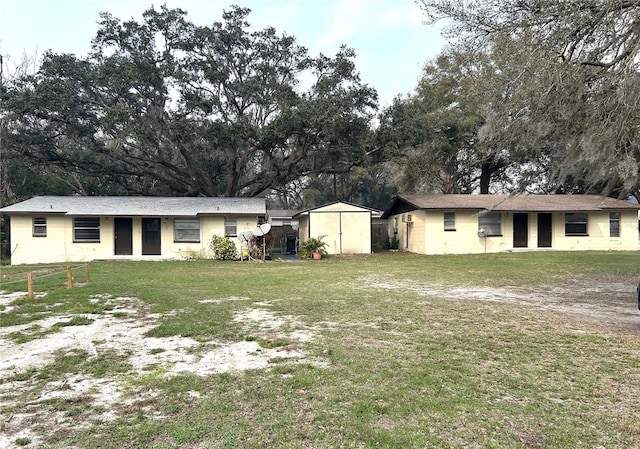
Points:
[51,229]
[465,224]
[346,227]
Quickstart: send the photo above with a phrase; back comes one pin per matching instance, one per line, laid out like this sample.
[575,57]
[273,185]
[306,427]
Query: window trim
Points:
[450,224]
[485,223]
[76,228]
[177,229]
[568,222]
[42,226]
[227,225]
[614,217]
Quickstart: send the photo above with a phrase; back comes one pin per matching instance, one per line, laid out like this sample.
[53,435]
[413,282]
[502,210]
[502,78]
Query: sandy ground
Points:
[611,304]
[123,329]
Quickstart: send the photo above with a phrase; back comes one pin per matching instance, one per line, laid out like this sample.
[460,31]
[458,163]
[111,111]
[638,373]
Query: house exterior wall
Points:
[303,228]
[410,234]
[463,240]
[58,245]
[598,230]
[426,234]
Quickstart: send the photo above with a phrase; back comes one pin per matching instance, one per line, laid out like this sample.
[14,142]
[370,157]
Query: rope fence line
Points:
[46,266]
[41,276]
[69,270]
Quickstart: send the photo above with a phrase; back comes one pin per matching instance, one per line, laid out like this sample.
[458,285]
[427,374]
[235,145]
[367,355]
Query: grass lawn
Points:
[518,350]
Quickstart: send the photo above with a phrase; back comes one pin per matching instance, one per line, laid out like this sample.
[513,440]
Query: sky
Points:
[391,42]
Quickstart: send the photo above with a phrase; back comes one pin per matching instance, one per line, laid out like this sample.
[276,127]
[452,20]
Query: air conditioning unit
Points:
[407,218]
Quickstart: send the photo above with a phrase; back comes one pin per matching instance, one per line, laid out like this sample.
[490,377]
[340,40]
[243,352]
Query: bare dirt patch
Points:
[612,304]
[30,407]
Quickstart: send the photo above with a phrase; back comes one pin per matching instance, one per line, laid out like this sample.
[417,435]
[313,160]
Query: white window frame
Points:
[576,224]
[614,224]
[88,225]
[491,223]
[230,226]
[39,227]
[186,230]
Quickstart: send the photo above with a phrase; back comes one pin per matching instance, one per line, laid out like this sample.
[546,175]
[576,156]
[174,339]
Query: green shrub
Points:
[391,243]
[223,248]
[312,245]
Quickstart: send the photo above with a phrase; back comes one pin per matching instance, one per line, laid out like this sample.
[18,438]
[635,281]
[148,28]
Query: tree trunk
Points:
[485,177]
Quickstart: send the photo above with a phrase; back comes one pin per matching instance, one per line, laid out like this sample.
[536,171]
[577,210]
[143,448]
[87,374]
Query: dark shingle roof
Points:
[138,206]
[561,203]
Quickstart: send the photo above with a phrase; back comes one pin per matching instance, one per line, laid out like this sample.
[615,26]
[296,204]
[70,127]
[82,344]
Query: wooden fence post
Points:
[88,274]
[30,284]
[69,277]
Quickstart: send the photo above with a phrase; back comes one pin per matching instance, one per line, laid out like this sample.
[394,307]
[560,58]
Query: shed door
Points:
[122,236]
[151,237]
[544,230]
[520,230]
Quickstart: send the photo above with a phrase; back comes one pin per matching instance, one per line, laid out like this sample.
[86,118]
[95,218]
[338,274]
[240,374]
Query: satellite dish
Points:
[482,232]
[245,236]
[262,229]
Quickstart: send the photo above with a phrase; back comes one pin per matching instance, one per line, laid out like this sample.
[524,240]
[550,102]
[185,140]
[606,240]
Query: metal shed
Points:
[346,227]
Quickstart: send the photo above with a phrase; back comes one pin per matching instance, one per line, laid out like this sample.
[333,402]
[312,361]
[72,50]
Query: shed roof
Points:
[338,206]
[138,206]
[508,203]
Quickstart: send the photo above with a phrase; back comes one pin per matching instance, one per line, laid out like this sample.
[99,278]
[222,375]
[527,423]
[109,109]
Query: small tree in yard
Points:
[223,248]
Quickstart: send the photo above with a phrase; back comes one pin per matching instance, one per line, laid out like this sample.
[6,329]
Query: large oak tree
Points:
[570,84]
[164,107]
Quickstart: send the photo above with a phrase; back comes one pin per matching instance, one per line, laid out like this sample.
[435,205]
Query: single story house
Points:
[52,229]
[464,224]
[346,227]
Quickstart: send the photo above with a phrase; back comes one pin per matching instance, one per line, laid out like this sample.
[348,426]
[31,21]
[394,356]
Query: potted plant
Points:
[313,247]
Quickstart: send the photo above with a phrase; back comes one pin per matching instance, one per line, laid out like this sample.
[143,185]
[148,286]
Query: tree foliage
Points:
[569,80]
[223,248]
[165,107]
[435,134]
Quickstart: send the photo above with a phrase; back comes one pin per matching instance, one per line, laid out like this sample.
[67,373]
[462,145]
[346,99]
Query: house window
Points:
[86,229]
[575,223]
[186,230]
[491,223]
[449,221]
[614,224]
[395,225]
[39,227]
[231,227]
